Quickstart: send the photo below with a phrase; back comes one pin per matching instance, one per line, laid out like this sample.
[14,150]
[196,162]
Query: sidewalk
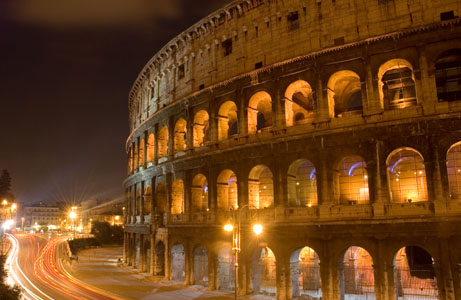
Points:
[99,268]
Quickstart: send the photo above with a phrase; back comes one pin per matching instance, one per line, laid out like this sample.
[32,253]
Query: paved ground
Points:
[99,268]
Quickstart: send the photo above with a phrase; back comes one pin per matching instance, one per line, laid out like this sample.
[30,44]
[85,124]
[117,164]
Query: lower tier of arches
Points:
[341,262]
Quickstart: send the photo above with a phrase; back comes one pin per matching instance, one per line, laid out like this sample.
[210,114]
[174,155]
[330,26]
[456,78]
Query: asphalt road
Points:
[35,263]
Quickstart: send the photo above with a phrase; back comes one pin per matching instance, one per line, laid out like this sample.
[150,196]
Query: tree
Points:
[107,234]
[5,186]
[7,292]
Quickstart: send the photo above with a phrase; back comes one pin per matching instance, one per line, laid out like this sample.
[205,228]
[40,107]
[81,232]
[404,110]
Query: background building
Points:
[334,124]
[111,211]
[42,215]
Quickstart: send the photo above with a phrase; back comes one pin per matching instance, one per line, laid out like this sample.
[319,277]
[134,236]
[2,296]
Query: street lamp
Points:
[72,216]
[235,229]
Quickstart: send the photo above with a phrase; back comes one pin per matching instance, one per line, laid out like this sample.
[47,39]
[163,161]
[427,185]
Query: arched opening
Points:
[227,190]
[136,158]
[302,183]
[448,75]
[353,181]
[259,112]
[159,269]
[345,93]
[161,198]
[407,176]
[263,273]
[199,193]
[180,130]
[227,120]
[305,274]
[150,147]
[177,197]
[141,153]
[397,84]
[299,103]
[163,142]
[201,128]
[454,171]
[356,274]
[178,259]
[260,188]
[200,266]
[226,262]
[147,200]
[414,275]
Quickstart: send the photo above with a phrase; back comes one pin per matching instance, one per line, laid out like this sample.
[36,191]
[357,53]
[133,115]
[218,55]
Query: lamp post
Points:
[235,229]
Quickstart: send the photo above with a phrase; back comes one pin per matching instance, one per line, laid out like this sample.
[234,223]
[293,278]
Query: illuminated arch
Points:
[448,75]
[227,190]
[199,193]
[147,200]
[161,198]
[177,197]
[180,130]
[406,175]
[299,103]
[353,180]
[344,94]
[454,171]
[356,274]
[163,142]
[201,128]
[141,153]
[302,183]
[396,83]
[227,120]
[305,273]
[263,271]
[260,188]
[259,112]
[150,147]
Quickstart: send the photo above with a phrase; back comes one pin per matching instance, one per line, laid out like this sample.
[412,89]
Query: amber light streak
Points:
[49,271]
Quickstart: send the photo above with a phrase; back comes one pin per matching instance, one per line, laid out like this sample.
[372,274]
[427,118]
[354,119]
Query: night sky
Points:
[65,73]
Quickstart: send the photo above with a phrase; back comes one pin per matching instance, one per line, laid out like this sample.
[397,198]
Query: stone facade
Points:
[334,124]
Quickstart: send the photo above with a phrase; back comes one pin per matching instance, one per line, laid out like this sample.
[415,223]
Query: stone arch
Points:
[302,183]
[227,190]
[356,274]
[352,180]
[454,171]
[163,142]
[299,103]
[141,152]
[199,193]
[448,75]
[159,268]
[305,273]
[147,200]
[227,120]
[180,130]
[406,175]
[161,198]
[201,128]
[226,262]
[344,94]
[414,274]
[200,266]
[263,272]
[260,188]
[396,82]
[178,262]
[259,112]
[150,147]
[177,197]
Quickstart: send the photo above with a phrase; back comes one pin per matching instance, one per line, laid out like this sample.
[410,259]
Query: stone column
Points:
[282,267]
[156,144]
[429,88]
[141,209]
[188,268]
[171,139]
[374,105]
[212,179]
[446,271]
[280,184]
[379,178]
[324,179]
[242,113]
[190,131]
[146,139]
[279,119]
[242,184]
[434,179]
[168,275]
[324,110]
[188,193]
[327,275]
[152,253]
[213,122]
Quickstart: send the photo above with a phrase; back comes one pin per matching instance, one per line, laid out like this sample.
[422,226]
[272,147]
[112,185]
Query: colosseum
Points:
[335,125]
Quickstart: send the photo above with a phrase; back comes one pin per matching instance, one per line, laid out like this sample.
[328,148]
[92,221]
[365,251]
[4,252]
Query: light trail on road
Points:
[34,265]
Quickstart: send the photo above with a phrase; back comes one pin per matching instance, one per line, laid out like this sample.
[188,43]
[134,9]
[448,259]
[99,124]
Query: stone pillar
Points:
[446,271]
[135,202]
[378,176]
[146,139]
[156,144]
[168,274]
[434,179]
[324,109]
[187,193]
[429,88]
[380,267]
[328,277]
[142,204]
[171,139]
[212,179]
[280,184]
[213,122]
[153,201]
[242,184]
[325,194]
[190,131]
[374,105]
[212,270]
[242,113]
[282,267]
[188,265]
[125,247]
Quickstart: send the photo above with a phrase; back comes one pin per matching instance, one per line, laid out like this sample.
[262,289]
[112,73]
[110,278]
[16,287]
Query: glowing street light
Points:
[4,202]
[257,229]
[228,227]
[72,216]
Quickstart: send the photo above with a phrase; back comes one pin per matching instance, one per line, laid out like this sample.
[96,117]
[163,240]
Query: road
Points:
[35,264]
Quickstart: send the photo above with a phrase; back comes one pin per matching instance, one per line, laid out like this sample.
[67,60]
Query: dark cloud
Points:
[64,88]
